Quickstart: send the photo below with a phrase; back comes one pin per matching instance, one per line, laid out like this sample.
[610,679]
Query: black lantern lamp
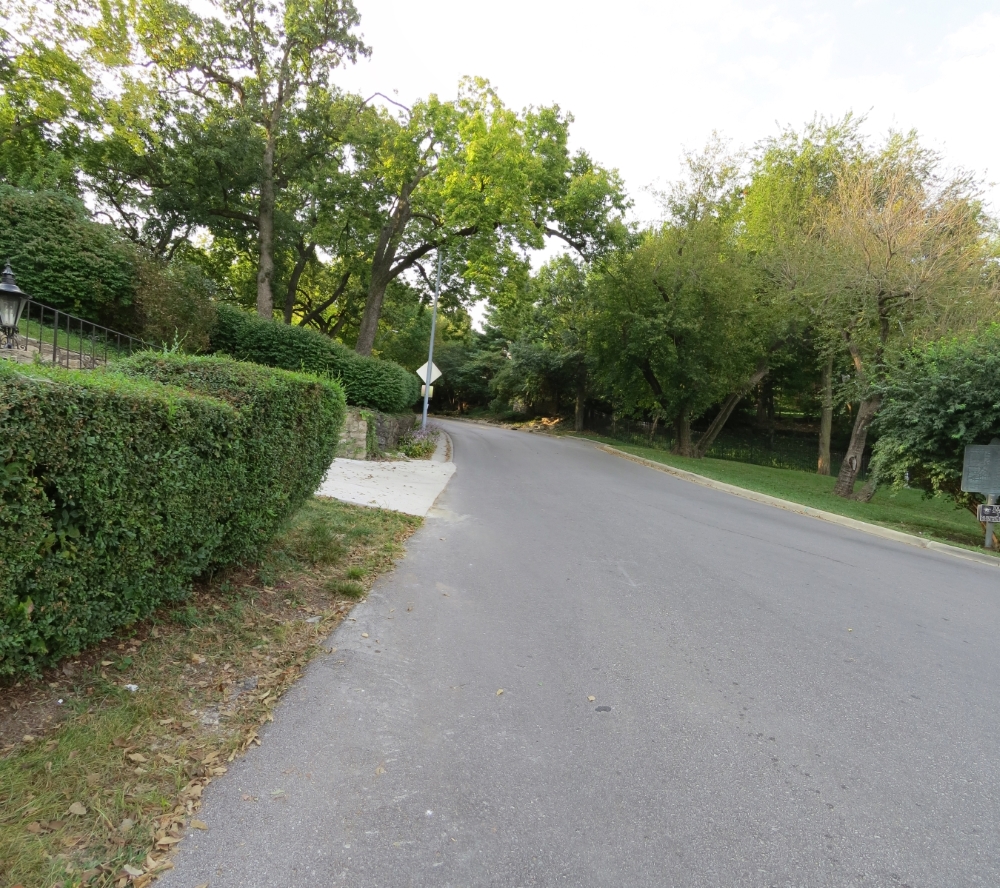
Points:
[12,302]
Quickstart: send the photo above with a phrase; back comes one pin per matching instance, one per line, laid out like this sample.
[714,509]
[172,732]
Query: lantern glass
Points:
[11,306]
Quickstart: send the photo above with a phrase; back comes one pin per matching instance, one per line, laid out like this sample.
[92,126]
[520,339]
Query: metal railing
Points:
[64,339]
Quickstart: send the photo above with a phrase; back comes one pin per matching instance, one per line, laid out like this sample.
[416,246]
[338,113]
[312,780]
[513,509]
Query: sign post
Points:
[430,352]
[981,474]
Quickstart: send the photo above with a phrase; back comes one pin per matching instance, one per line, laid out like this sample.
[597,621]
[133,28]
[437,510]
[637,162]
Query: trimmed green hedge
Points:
[290,426]
[368,382]
[117,491]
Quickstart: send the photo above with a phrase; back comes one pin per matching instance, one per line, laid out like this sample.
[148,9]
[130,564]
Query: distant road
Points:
[777,701]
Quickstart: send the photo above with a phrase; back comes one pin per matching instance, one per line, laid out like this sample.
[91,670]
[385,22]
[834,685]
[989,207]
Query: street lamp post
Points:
[430,350]
[12,302]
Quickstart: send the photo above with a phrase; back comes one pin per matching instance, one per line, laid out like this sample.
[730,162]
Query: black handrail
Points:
[91,337]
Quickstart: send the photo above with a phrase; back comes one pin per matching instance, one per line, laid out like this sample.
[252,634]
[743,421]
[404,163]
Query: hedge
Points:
[290,427]
[368,382]
[117,491]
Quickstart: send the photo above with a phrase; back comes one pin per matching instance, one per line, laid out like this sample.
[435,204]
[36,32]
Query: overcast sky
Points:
[645,81]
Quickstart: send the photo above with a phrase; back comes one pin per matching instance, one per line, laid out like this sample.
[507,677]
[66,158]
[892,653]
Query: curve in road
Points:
[697,690]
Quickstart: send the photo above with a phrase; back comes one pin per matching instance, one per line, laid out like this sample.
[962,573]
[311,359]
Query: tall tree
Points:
[47,96]
[244,101]
[483,183]
[549,359]
[904,257]
[678,328]
[793,180]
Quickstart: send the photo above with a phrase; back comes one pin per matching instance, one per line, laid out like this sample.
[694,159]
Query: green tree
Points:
[549,361]
[468,366]
[936,400]
[677,328]
[793,179]
[680,322]
[484,184]
[903,259]
[47,100]
[235,118]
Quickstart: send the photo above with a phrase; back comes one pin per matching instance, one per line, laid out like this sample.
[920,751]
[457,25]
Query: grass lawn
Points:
[99,780]
[905,510]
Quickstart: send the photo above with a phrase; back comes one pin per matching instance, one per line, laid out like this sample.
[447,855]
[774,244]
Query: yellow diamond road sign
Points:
[435,373]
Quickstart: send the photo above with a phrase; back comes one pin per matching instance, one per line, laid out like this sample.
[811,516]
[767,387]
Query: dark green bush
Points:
[935,401]
[61,257]
[117,491]
[173,303]
[368,382]
[290,425]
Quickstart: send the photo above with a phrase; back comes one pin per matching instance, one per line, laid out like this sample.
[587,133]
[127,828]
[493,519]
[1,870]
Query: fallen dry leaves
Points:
[209,676]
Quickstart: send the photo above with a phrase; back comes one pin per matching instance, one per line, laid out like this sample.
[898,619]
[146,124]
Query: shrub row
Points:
[368,382]
[116,490]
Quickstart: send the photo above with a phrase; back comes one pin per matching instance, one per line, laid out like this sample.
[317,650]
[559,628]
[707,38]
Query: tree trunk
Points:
[581,391]
[265,265]
[851,465]
[868,491]
[706,441]
[373,311]
[301,261]
[682,430]
[382,266]
[826,420]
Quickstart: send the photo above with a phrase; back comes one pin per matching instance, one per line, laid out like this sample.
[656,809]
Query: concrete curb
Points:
[874,529]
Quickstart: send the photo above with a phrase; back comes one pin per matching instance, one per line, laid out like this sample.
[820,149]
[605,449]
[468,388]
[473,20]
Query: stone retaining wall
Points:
[354,437]
[367,434]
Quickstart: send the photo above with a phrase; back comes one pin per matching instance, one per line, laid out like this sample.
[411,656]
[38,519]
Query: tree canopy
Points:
[194,154]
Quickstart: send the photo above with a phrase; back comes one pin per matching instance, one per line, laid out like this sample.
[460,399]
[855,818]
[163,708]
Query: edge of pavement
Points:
[863,526]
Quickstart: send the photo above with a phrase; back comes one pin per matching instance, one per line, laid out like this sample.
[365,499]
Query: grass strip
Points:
[103,762]
[906,510]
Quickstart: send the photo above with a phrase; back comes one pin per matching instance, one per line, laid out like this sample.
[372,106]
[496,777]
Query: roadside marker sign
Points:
[422,373]
[989,513]
[981,474]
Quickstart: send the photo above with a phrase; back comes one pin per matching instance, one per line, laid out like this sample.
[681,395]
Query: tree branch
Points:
[323,306]
[579,246]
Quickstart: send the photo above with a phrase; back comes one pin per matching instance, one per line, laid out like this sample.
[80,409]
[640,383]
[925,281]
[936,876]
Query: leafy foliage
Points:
[64,259]
[116,491]
[483,183]
[468,367]
[367,382]
[174,304]
[46,99]
[935,401]
[289,427]
[548,354]
[677,325]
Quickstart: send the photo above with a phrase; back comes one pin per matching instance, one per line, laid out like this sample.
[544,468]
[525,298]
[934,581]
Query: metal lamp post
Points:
[12,302]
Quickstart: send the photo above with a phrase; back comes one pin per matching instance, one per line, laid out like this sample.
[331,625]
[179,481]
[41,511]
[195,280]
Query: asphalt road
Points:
[776,701]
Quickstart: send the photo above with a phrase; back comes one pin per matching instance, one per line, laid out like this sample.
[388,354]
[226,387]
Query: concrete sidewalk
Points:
[409,486]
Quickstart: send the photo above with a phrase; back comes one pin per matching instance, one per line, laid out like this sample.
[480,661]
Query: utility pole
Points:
[430,351]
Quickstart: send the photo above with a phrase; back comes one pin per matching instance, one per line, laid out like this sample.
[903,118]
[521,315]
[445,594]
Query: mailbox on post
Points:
[981,474]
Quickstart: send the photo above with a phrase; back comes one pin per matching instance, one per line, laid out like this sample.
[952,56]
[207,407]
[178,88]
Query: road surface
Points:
[698,690]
